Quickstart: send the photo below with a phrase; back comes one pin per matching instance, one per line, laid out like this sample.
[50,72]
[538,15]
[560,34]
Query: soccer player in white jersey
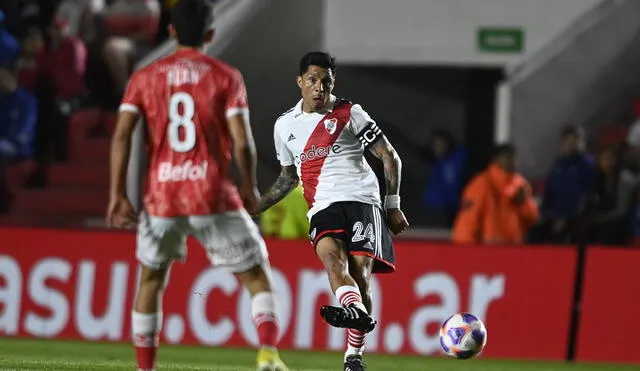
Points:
[321,141]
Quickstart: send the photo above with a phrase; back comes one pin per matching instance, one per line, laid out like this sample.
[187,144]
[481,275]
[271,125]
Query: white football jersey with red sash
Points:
[328,152]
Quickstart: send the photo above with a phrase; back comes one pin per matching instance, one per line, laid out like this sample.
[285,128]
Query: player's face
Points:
[316,86]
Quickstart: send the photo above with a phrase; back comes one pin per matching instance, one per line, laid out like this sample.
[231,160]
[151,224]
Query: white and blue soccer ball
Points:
[463,336]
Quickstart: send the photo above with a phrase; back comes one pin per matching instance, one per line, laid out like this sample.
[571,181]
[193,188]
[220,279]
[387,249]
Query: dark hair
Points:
[320,59]
[191,20]
[504,149]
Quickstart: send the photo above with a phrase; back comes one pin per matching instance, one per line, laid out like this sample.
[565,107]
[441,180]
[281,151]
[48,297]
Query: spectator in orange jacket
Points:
[497,206]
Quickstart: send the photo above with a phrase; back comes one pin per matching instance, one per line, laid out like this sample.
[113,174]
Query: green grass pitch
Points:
[27,354]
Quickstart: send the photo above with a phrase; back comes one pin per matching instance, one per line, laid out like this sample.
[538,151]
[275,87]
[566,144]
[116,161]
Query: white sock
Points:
[146,323]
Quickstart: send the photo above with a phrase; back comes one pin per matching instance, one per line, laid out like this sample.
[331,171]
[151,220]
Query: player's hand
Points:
[396,220]
[120,213]
[250,198]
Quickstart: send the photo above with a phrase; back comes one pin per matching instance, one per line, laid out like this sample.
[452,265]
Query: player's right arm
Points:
[288,179]
[244,147]
[286,182]
[244,154]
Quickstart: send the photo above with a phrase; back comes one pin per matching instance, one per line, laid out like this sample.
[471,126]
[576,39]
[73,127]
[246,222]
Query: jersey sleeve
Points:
[283,153]
[132,99]
[364,127]
[237,101]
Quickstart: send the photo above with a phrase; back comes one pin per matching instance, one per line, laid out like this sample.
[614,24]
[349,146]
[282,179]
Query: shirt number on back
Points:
[182,120]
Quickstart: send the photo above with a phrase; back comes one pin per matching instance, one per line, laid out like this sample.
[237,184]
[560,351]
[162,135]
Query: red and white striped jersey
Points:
[328,152]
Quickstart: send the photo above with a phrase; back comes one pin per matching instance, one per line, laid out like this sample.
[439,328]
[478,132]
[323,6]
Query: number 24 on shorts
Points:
[361,233]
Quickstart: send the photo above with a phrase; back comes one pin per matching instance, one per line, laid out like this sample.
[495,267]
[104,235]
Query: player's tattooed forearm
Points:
[286,182]
[383,150]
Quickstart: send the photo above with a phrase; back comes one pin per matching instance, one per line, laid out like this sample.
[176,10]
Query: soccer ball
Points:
[463,336]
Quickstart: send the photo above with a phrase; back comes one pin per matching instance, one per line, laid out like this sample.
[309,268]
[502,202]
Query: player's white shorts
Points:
[231,239]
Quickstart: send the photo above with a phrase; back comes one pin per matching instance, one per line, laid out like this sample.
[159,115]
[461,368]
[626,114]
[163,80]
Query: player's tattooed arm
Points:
[383,150]
[287,181]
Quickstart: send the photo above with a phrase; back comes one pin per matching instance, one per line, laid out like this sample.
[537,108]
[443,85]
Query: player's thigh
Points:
[160,241]
[361,269]
[232,240]
[256,279]
[329,237]
[369,236]
[332,252]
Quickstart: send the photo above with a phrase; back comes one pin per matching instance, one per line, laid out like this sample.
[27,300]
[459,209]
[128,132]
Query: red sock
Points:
[146,348]
[267,327]
[146,327]
[355,342]
[263,309]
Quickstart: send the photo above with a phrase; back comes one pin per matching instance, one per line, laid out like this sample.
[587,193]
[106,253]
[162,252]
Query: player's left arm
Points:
[120,212]
[383,150]
[371,137]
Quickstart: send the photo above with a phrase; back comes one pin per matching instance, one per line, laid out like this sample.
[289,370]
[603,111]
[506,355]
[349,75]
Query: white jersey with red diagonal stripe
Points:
[328,152]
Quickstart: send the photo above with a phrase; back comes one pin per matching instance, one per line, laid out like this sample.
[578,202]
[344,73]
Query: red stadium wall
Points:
[610,302]
[80,285]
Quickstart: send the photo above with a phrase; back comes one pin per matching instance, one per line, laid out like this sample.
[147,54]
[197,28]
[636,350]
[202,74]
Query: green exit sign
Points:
[501,39]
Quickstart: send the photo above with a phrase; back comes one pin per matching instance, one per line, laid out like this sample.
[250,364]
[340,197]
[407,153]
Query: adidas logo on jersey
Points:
[291,137]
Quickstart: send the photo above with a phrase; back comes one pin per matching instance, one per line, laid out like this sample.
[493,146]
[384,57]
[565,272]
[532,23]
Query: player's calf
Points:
[146,327]
[146,318]
[263,304]
[263,310]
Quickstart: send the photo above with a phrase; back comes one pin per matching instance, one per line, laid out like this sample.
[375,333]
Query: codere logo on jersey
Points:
[318,152]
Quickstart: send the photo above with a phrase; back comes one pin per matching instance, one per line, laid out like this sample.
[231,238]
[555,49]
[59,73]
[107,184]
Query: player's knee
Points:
[152,281]
[334,263]
[256,279]
[332,256]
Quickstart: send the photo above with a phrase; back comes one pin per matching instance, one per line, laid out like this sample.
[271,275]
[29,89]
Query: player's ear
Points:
[172,31]
[208,37]
[299,81]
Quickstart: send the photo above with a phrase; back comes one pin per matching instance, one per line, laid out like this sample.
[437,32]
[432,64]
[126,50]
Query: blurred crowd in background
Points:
[590,194]
[56,58]
[60,57]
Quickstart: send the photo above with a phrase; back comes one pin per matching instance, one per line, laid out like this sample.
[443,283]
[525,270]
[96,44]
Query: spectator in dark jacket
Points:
[18,117]
[568,187]
[9,46]
[446,178]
